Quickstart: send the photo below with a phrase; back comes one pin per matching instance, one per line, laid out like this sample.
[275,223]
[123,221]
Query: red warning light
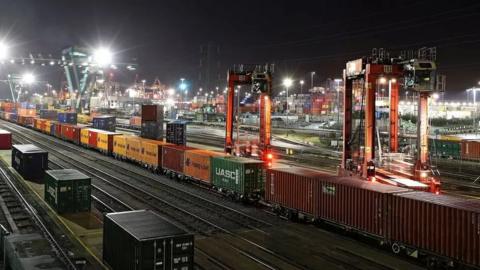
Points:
[373,179]
[269,156]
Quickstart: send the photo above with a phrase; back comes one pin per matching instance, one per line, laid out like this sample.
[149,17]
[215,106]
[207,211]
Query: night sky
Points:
[298,36]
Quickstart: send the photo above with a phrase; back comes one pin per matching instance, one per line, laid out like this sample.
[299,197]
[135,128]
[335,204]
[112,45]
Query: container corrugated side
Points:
[447,225]
[239,175]
[134,147]
[120,145]
[173,157]
[198,164]
[105,141]
[92,138]
[68,195]
[151,152]
[84,136]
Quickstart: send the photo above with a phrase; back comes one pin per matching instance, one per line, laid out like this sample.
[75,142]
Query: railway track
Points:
[197,219]
[26,219]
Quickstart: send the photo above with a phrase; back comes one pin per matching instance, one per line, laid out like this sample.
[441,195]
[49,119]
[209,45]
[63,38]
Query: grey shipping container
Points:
[241,176]
[30,252]
[29,161]
[67,191]
[104,122]
[143,240]
[177,132]
[152,130]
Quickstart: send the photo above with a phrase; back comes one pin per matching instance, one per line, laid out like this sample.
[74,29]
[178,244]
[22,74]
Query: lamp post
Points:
[287,82]
[337,86]
[301,86]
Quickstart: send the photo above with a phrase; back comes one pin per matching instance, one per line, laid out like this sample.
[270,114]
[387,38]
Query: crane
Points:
[260,79]
[417,74]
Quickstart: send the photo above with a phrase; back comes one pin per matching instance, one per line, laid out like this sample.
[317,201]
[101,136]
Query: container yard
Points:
[254,136]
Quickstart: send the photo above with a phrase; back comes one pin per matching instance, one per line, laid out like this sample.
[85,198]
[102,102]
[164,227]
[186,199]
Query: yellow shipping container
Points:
[151,152]
[133,148]
[197,164]
[120,146]
[84,137]
[46,127]
[105,141]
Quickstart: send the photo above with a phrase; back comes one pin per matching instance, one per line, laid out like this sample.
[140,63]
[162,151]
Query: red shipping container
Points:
[92,138]
[346,201]
[152,113]
[173,157]
[446,225]
[58,130]
[5,140]
[470,149]
[71,133]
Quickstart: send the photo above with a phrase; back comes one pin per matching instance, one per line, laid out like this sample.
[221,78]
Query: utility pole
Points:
[311,79]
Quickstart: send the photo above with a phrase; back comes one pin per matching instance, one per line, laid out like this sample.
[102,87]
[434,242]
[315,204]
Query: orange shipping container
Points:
[151,152]
[470,149]
[133,148]
[135,121]
[197,164]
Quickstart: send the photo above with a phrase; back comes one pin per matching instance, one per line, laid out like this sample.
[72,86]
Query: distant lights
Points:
[382,80]
[28,78]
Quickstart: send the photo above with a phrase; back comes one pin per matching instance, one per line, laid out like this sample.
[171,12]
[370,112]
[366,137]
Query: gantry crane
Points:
[260,78]
[418,75]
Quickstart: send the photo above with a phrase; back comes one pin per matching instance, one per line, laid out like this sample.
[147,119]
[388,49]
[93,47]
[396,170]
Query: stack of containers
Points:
[162,244]
[67,118]
[152,122]
[67,191]
[29,161]
[48,114]
[104,122]
[177,132]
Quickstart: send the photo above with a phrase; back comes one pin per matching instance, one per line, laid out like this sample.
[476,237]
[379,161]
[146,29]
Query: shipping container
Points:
[120,146]
[470,149]
[104,122]
[84,136]
[71,133]
[27,112]
[83,118]
[25,120]
[151,153]
[197,164]
[152,130]
[38,124]
[143,240]
[173,157]
[105,141]
[29,251]
[92,138]
[67,191]
[152,113]
[48,114]
[135,121]
[58,130]
[67,117]
[5,140]
[29,161]
[444,224]
[177,132]
[238,176]
[47,126]
[134,147]
[53,128]
[444,148]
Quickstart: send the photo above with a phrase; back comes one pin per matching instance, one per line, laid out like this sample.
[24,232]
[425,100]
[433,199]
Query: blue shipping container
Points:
[104,122]
[67,117]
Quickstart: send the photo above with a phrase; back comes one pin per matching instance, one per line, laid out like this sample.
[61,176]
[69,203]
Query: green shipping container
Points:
[237,175]
[67,191]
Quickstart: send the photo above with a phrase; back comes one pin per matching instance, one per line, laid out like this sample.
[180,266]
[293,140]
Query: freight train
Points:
[441,230]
